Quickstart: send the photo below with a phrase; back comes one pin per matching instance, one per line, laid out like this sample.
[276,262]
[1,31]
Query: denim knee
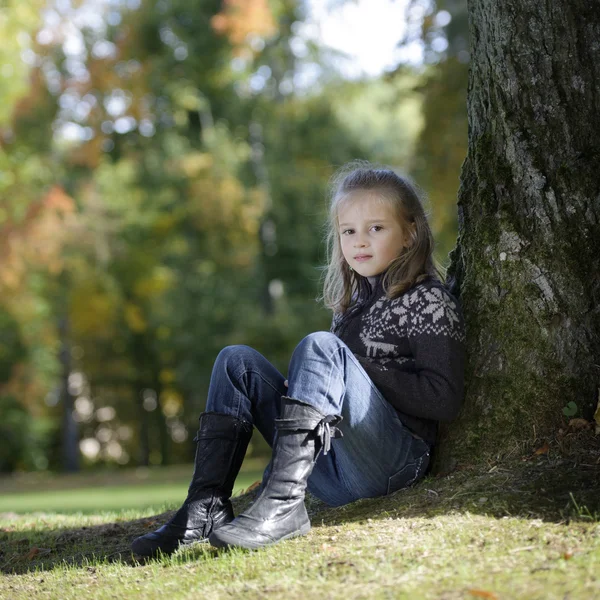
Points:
[320,339]
[234,354]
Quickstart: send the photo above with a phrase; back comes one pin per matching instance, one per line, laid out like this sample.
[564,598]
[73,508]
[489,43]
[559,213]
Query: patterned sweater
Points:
[412,348]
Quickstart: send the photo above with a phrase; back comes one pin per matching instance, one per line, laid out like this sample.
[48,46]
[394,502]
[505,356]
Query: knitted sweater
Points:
[412,348]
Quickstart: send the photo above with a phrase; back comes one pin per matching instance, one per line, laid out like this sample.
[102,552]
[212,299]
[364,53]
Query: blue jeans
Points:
[377,454]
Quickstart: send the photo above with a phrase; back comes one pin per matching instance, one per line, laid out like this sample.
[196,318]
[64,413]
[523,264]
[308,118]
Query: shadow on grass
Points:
[45,549]
[557,490]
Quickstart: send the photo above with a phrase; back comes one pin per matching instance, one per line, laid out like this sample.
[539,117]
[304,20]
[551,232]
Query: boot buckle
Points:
[326,430]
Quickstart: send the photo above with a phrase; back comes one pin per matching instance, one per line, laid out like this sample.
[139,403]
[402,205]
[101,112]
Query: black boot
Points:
[279,512]
[222,443]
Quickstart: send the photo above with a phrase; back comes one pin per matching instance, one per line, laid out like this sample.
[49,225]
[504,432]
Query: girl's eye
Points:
[347,230]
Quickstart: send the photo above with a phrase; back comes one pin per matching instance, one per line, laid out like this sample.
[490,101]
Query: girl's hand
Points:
[285,383]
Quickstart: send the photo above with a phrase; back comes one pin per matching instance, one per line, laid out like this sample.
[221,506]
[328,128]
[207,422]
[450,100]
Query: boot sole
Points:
[218,543]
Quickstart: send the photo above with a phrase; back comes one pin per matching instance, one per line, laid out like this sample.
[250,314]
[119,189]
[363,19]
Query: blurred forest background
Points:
[163,184]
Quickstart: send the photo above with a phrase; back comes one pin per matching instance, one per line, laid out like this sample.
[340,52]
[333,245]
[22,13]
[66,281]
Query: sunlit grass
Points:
[528,532]
[121,490]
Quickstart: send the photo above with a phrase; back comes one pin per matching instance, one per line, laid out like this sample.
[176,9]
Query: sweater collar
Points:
[372,283]
[373,280]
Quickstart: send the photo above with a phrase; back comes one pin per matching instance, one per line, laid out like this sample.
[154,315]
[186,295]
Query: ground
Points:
[526,527]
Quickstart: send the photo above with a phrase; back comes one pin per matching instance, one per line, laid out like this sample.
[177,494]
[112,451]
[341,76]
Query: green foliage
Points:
[12,349]
[18,20]
[382,115]
[442,142]
[25,440]
[442,147]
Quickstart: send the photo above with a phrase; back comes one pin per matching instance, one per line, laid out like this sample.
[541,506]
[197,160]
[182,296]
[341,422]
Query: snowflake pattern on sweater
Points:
[421,311]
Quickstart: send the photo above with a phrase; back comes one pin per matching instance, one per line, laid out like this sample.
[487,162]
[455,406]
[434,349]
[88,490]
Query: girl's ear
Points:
[411,236]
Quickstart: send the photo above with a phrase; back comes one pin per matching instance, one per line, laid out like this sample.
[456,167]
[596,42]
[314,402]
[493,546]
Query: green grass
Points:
[133,489]
[524,530]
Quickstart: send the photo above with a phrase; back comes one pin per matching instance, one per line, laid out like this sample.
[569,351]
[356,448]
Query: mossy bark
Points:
[526,267]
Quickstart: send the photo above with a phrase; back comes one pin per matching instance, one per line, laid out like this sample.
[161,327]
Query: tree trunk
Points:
[70,433]
[138,353]
[160,422]
[527,262]
[143,454]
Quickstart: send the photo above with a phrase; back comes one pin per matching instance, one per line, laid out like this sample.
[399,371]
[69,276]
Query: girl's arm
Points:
[431,385]
[433,390]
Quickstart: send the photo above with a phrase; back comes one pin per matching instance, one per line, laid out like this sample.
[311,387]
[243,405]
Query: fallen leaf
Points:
[253,486]
[483,594]
[542,450]
[150,524]
[35,551]
[576,424]
[567,555]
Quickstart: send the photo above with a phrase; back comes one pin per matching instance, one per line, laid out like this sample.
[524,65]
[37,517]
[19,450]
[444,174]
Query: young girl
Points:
[357,416]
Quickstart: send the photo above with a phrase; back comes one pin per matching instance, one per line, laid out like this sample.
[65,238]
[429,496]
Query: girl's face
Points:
[370,234]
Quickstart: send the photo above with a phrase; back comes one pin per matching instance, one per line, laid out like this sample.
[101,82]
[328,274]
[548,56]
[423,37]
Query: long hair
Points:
[341,285]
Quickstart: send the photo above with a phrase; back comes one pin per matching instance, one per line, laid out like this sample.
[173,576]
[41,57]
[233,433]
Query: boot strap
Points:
[239,427]
[324,428]
[215,435]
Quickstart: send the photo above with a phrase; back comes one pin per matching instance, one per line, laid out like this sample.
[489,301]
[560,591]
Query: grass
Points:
[525,529]
[140,489]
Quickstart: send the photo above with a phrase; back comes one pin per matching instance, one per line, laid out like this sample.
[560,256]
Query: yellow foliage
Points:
[134,318]
[194,163]
[171,402]
[224,202]
[160,280]
[18,20]
[167,376]
[25,385]
[164,223]
[93,310]
[37,240]
[163,332]
[257,200]
[231,192]
[178,245]
[241,18]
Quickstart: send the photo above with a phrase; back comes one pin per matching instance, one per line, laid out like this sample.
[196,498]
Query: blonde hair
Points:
[406,199]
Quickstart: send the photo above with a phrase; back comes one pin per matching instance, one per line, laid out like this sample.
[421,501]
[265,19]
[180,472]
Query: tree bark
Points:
[527,262]
[138,352]
[70,433]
